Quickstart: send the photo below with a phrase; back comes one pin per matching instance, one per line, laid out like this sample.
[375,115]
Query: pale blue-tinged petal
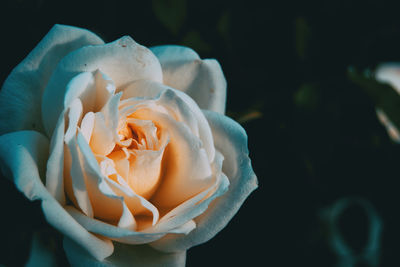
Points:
[167,54]
[123,61]
[23,157]
[231,140]
[125,255]
[203,80]
[22,91]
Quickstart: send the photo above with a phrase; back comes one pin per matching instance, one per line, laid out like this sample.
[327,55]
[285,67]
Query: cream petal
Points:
[145,172]
[123,61]
[173,99]
[55,163]
[31,148]
[93,197]
[136,203]
[138,256]
[180,109]
[127,221]
[125,236]
[188,170]
[107,204]
[231,140]
[105,131]
[120,160]
[22,91]
[145,130]
[74,172]
[102,140]
[87,126]
[195,205]
[110,111]
[93,89]
[203,80]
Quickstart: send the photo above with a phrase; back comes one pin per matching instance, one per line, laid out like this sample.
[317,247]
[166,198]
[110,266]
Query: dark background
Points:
[313,134]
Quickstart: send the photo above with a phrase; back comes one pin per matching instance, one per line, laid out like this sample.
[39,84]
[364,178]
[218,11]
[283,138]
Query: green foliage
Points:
[194,40]
[302,37]
[223,25]
[382,94]
[306,96]
[171,13]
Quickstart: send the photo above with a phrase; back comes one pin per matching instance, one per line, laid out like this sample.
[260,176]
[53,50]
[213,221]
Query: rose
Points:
[389,73]
[123,143]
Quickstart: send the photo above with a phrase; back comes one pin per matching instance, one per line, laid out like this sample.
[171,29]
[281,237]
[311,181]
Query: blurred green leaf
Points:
[224,24]
[171,13]
[302,36]
[307,96]
[382,94]
[194,40]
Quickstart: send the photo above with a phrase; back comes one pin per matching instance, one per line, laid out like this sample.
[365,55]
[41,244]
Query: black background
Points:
[314,138]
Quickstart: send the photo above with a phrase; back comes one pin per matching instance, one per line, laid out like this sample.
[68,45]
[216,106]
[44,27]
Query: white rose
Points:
[127,148]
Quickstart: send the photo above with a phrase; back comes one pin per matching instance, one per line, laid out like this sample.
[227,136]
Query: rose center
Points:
[135,161]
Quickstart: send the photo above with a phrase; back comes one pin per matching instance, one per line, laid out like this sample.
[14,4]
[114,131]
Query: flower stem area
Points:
[327,168]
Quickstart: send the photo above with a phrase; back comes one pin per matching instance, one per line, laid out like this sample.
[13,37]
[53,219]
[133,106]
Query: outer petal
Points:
[123,61]
[31,149]
[125,255]
[22,91]
[390,73]
[55,163]
[203,80]
[231,140]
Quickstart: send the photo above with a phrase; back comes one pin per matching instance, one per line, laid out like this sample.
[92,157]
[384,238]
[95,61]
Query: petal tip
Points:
[126,41]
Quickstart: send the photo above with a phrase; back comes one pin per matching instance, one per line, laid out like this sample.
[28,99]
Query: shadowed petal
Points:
[137,256]
[22,91]
[31,148]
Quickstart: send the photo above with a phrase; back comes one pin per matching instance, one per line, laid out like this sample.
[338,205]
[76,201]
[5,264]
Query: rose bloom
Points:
[128,148]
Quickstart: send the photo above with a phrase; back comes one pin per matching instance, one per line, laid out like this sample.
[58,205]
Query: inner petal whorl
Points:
[137,156]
